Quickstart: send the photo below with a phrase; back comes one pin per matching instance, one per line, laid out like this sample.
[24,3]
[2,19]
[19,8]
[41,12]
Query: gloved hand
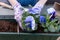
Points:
[36,10]
[19,11]
[18,14]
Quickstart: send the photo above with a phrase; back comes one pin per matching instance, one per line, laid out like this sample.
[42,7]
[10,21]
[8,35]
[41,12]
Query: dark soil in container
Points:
[8,26]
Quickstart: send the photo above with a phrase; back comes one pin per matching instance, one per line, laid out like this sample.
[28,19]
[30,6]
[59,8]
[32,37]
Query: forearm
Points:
[13,2]
[38,7]
[41,2]
[6,5]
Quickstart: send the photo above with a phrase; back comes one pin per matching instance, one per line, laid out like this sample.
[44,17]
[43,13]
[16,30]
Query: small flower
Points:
[52,16]
[29,18]
[51,12]
[42,19]
[30,22]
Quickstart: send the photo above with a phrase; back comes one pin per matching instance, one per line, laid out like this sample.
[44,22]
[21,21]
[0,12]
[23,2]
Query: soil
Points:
[7,26]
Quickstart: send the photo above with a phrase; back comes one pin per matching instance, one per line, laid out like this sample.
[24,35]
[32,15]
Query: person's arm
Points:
[40,3]
[13,2]
[38,6]
[6,5]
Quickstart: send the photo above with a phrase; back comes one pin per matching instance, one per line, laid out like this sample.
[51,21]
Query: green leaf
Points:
[53,21]
[51,28]
[45,30]
[58,28]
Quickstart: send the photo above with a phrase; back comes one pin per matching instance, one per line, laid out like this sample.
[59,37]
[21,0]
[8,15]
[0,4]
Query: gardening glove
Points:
[18,14]
[36,10]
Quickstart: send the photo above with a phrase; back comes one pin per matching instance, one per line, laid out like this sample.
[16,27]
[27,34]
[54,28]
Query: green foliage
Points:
[24,15]
[51,26]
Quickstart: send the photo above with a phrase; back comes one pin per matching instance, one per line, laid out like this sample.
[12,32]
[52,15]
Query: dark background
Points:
[52,1]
